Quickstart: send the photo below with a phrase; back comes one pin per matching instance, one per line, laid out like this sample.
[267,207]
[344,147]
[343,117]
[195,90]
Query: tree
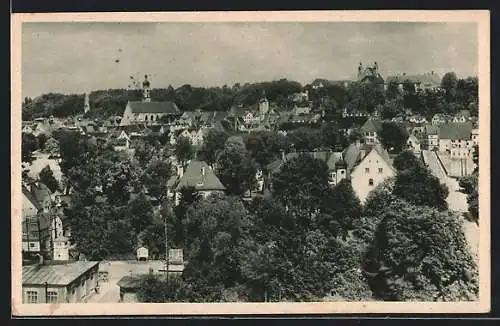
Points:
[235,168]
[47,177]
[302,182]
[406,160]
[140,212]
[392,108]
[393,137]
[52,147]
[449,83]
[183,149]
[421,254]
[345,208]
[155,178]
[28,146]
[213,143]
[41,140]
[418,186]
[305,139]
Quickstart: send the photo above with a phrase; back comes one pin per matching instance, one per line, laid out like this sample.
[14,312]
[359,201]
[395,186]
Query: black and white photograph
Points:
[250,162]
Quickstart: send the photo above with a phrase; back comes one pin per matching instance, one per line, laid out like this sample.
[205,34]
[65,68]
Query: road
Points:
[457,201]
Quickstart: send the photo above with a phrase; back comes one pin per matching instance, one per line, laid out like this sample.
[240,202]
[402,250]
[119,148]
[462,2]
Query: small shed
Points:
[142,254]
[128,288]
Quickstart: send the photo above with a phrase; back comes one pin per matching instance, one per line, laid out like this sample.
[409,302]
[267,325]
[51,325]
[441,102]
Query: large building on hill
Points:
[147,111]
[370,74]
[426,81]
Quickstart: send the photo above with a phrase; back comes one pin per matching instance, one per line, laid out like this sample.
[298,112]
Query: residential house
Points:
[456,139]
[59,283]
[431,137]
[198,174]
[416,118]
[120,139]
[413,143]
[475,136]
[372,169]
[426,81]
[417,129]
[438,119]
[370,131]
[462,116]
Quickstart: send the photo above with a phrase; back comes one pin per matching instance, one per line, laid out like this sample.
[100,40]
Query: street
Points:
[457,201]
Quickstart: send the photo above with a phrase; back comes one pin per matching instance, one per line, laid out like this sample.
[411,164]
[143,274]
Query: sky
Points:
[80,57]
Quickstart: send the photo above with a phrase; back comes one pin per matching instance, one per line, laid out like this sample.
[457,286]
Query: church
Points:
[147,111]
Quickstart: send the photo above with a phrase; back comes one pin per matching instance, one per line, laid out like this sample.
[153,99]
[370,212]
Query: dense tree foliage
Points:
[183,149]
[46,177]
[419,253]
[28,146]
[213,143]
[393,137]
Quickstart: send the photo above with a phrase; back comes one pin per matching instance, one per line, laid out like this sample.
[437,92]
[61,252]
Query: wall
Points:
[360,178]
[40,290]
[444,145]
[82,287]
[128,296]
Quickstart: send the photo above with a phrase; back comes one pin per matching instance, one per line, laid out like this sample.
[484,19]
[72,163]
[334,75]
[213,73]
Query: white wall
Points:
[360,178]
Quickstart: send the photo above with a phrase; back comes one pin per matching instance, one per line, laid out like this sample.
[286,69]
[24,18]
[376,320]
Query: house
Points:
[431,137]
[370,131]
[426,81]
[413,143]
[147,111]
[416,118]
[462,116]
[199,175]
[475,136]
[456,139]
[438,119]
[59,283]
[129,285]
[372,169]
[121,140]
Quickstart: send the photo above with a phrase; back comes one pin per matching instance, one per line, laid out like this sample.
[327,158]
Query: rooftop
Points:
[55,274]
[153,107]
[199,175]
[455,131]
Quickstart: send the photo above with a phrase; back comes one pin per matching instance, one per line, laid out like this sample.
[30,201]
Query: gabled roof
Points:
[40,192]
[55,274]
[153,107]
[219,116]
[31,198]
[431,129]
[193,177]
[456,131]
[351,155]
[372,126]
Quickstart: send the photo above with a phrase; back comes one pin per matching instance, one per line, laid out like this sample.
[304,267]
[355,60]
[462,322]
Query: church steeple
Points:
[86,104]
[146,90]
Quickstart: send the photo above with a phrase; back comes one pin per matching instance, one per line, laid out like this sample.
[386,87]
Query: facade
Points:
[413,143]
[431,137]
[370,131]
[59,283]
[456,139]
[475,136]
[373,169]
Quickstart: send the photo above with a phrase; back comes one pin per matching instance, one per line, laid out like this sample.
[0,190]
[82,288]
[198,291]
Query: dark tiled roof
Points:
[55,274]
[31,198]
[154,107]
[455,131]
[129,282]
[372,126]
[351,155]
[192,177]
[40,192]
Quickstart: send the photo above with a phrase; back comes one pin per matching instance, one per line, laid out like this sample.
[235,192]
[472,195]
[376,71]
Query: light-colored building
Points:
[370,131]
[147,111]
[475,136]
[431,137]
[59,283]
[372,169]
[200,176]
[456,139]
[413,143]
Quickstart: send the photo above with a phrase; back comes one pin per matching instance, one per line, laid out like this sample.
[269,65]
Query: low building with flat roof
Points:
[59,283]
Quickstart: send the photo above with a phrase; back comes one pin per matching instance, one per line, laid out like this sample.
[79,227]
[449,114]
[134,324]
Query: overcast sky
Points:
[79,57]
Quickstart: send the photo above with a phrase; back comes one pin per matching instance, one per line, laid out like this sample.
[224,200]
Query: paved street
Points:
[109,291]
[457,201]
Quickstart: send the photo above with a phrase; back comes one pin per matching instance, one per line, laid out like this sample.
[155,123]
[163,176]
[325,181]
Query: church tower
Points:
[86,104]
[263,104]
[146,96]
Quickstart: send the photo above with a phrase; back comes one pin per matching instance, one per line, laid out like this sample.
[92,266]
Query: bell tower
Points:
[146,91]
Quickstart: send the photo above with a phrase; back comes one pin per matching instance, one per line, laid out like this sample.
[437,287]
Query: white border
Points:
[481,17]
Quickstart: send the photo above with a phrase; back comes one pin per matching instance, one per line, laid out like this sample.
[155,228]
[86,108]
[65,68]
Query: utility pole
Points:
[166,245]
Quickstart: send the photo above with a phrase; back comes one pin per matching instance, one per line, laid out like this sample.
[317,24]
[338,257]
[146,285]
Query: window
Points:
[32,296]
[367,170]
[51,297]
[32,245]
[370,182]
[380,170]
